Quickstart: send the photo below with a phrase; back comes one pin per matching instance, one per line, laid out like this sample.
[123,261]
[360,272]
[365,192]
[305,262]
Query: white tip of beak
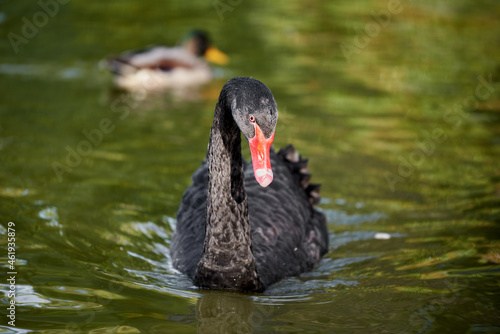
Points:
[264,176]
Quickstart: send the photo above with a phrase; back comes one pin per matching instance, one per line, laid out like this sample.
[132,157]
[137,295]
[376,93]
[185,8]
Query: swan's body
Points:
[160,67]
[236,229]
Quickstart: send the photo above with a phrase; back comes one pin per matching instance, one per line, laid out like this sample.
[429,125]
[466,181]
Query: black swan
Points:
[239,229]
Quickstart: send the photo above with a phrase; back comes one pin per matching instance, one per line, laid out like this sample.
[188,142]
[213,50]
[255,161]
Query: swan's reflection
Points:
[225,312]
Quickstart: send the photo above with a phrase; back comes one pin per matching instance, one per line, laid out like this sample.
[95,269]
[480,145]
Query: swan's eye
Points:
[251,118]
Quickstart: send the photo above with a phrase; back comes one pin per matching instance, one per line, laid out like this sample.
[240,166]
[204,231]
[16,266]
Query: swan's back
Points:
[288,235]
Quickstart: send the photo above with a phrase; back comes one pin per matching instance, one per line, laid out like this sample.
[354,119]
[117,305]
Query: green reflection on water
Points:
[93,248]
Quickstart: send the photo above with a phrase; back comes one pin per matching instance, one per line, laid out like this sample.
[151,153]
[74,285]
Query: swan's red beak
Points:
[259,148]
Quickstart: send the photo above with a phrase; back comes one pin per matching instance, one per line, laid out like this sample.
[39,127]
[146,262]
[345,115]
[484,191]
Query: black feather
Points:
[231,232]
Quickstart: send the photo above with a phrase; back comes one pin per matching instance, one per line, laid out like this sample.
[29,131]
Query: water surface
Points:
[397,109]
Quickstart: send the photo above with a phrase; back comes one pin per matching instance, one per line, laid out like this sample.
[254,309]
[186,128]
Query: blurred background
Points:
[395,103]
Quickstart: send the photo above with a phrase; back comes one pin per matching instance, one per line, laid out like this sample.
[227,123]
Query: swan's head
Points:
[255,112]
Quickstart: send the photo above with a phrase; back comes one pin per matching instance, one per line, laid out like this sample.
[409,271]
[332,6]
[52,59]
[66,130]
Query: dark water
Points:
[396,104]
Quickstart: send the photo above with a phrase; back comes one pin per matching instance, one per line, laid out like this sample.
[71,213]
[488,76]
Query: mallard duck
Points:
[159,67]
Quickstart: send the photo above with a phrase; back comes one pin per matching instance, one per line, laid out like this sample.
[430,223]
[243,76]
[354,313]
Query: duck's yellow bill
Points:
[216,56]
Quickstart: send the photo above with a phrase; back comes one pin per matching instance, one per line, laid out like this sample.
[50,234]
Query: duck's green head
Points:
[198,43]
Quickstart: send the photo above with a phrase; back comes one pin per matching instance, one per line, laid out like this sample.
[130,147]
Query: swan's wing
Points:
[188,238]
[288,235]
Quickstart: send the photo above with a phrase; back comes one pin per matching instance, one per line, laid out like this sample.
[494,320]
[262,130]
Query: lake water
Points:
[395,103]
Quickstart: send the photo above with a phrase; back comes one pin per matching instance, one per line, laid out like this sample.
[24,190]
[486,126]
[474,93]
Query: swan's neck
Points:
[227,260]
